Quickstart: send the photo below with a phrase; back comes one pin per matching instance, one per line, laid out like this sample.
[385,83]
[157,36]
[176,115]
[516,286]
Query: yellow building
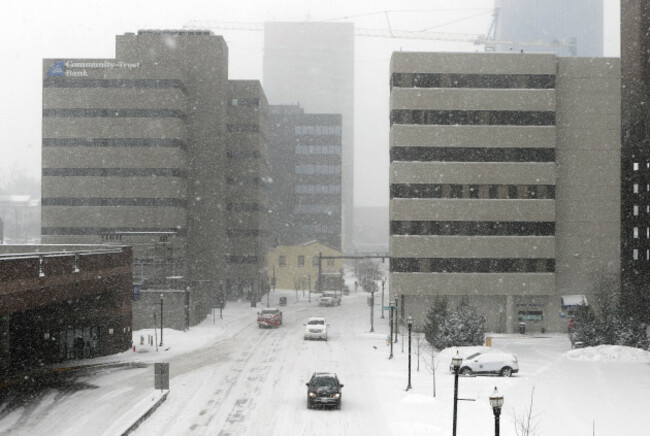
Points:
[296,266]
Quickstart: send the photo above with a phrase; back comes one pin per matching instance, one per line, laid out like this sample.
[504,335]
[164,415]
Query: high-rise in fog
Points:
[577,25]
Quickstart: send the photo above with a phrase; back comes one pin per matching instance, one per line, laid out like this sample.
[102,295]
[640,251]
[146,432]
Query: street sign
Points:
[386,307]
[161,376]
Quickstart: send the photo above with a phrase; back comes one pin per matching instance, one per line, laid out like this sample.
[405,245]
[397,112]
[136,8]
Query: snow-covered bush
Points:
[461,326]
[610,324]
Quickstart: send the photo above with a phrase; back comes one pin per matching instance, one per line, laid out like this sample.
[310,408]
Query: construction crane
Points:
[486,40]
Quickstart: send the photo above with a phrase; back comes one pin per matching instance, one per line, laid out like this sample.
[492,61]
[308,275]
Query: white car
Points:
[329,299]
[316,328]
[499,363]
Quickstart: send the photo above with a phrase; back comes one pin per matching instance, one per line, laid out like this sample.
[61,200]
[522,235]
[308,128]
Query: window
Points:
[282,261]
[531,315]
[330,262]
[301,260]
[314,261]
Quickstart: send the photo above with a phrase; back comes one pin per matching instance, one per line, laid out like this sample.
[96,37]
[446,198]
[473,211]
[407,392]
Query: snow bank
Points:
[609,353]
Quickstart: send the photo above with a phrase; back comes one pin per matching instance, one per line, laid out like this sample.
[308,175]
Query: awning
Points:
[573,301]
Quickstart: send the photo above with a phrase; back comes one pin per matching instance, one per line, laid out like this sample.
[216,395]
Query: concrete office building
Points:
[134,150]
[312,64]
[504,183]
[563,27]
[248,180]
[306,168]
[635,163]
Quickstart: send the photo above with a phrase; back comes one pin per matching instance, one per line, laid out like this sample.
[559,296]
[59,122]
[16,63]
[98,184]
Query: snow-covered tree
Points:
[459,327]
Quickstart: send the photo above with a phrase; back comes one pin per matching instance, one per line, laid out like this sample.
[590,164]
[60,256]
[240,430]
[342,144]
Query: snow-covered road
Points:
[228,377]
[260,388]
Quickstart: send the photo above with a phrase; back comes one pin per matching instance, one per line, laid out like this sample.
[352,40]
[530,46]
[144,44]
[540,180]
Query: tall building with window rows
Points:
[504,189]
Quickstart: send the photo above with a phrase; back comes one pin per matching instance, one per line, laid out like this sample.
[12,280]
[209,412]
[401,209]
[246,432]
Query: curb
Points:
[146,415]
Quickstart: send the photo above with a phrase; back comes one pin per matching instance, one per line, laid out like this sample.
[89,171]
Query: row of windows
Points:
[324,229]
[98,231]
[243,128]
[318,130]
[300,261]
[115,172]
[478,117]
[135,202]
[318,189]
[471,154]
[472,228]
[319,149]
[113,142]
[438,265]
[635,254]
[451,80]
[245,101]
[318,169]
[243,260]
[113,113]
[324,209]
[503,192]
[245,207]
[244,181]
[246,233]
[66,82]
[242,154]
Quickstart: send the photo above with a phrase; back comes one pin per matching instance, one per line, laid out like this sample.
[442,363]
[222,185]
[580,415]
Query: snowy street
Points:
[229,377]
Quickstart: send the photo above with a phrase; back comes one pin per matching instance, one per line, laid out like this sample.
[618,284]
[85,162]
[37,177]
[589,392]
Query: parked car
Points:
[269,317]
[499,363]
[324,389]
[329,299]
[283,301]
[316,328]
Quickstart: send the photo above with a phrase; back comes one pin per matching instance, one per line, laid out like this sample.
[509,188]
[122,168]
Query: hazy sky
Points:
[33,30]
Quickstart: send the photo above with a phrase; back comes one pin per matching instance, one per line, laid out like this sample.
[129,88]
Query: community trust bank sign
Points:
[80,69]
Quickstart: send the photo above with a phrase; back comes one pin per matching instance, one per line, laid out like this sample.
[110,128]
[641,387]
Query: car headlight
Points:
[336,396]
[312,395]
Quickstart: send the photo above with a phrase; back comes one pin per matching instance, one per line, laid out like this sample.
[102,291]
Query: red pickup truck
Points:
[269,317]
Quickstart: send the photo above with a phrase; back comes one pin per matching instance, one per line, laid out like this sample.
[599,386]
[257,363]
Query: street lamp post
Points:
[456,361]
[409,323]
[161,320]
[396,321]
[372,311]
[383,283]
[390,321]
[496,401]
[310,288]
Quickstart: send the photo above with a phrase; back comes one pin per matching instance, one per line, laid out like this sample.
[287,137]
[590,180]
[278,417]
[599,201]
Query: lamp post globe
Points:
[496,401]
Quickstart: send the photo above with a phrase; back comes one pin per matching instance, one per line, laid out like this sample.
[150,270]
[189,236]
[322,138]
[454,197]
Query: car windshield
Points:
[316,322]
[329,382]
[269,312]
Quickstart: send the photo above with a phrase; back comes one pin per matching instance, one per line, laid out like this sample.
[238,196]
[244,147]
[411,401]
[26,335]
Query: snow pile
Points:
[618,353]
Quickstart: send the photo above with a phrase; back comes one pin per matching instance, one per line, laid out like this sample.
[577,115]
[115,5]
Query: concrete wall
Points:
[588,196]
[585,175]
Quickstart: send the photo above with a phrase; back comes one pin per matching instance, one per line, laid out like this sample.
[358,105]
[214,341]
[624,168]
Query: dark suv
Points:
[324,389]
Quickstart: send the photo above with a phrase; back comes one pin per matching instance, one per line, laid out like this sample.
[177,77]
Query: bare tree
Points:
[526,424]
[431,367]
[419,346]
